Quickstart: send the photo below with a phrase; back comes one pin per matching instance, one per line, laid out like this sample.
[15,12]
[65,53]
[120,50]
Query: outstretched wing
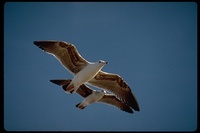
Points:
[65,52]
[85,91]
[115,84]
[112,100]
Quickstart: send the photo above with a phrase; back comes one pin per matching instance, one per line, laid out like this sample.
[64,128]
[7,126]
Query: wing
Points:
[61,82]
[65,52]
[112,100]
[84,90]
[115,84]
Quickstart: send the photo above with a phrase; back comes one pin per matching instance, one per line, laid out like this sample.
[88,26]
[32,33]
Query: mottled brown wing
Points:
[84,90]
[65,52]
[115,84]
[112,100]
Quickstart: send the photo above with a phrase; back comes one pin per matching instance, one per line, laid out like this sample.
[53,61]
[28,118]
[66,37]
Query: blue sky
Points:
[153,46]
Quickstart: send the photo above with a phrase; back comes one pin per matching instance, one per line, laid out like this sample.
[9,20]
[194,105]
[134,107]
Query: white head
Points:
[96,66]
[103,62]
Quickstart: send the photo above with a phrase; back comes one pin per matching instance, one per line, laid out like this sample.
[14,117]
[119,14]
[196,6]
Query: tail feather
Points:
[80,106]
[65,87]
[74,90]
[63,83]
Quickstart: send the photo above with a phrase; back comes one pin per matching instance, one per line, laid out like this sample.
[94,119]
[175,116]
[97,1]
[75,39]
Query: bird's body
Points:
[92,98]
[85,75]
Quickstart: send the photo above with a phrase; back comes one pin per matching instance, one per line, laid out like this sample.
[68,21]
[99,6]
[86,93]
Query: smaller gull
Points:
[92,96]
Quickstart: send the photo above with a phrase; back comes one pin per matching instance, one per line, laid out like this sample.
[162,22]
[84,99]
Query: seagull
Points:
[93,96]
[87,72]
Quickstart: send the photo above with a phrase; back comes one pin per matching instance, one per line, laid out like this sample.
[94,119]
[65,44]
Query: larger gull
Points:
[86,72]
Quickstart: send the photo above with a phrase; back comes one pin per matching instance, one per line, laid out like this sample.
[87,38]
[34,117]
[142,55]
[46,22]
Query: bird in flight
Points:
[86,72]
[92,96]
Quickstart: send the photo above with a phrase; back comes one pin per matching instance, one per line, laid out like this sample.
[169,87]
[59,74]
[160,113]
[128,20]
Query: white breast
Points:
[94,97]
[87,73]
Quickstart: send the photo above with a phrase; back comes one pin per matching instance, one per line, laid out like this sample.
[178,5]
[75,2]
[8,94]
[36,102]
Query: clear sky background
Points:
[153,46]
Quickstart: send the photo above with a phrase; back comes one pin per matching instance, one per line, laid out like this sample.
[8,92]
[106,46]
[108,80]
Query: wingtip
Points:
[55,82]
[38,42]
[132,102]
[129,111]
[61,82]
[44,42]
[136,107]
[35,43]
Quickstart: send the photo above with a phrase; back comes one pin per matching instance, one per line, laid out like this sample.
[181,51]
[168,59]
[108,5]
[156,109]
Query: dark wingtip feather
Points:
[132,102]
[137,109]
[38,43]
[35,42]
[136,106]
[43,44]
[55,82]
[129,110]
[80,107]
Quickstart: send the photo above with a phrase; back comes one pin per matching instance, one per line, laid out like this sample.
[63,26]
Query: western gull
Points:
[87,72]
[93,96]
